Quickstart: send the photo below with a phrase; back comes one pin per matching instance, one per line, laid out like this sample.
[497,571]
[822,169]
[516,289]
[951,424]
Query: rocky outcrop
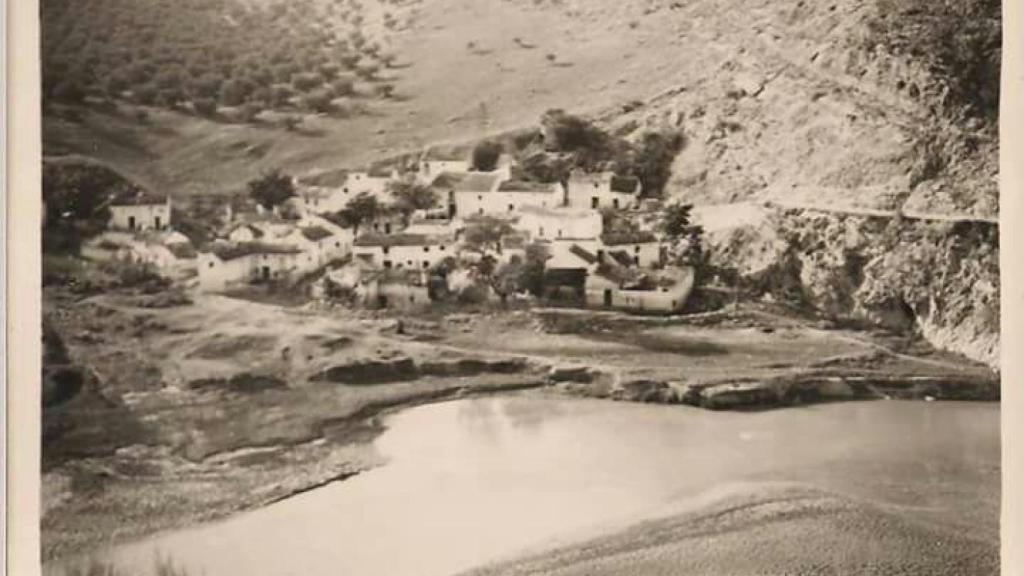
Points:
[940,279]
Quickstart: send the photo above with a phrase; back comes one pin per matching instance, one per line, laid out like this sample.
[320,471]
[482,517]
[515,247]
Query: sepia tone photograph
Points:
[520,287]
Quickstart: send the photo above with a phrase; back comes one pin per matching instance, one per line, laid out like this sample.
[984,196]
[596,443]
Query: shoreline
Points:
[219,449]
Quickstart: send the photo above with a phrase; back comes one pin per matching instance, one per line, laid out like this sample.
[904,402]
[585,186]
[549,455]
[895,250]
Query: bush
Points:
[307,81]
[234,92]
[319,101]
[486,155]
[205,106]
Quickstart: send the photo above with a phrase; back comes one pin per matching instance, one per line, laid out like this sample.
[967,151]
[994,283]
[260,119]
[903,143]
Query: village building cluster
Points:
[389,260]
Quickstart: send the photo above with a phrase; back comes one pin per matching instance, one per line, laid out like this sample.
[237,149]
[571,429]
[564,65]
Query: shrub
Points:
[234,92]
[307,81]
[343,87]
[205,106]
[271,188]
[486,155]
[319,101]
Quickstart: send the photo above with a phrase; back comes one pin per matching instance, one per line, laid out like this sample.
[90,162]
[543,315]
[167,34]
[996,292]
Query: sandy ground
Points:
[771,529]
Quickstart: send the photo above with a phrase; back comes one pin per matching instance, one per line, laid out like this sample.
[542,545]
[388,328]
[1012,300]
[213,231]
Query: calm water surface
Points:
[471,481]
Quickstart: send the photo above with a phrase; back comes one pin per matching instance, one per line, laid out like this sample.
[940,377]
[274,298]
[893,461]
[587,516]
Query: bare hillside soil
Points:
[776,99]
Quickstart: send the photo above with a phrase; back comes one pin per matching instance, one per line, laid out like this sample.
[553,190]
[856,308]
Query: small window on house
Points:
[387,263]
[345,190]
[636,248]
[595,202]
[211,265]
[426,248]
[426,264]
[511,207]
[386,249]
[337,244]
[442,247]
[559,233]
[615,202]
[480,197]
[376,227]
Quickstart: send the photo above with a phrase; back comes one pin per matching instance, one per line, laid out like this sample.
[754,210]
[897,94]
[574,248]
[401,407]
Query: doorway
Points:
[131,222]
[265,273]
[607,297]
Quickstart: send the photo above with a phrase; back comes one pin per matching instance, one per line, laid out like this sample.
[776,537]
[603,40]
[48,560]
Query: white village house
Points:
[509,196]
[436,160]
[140,210]
[409,251]
[602,190]
[639,248]
[543,223]
[229,265]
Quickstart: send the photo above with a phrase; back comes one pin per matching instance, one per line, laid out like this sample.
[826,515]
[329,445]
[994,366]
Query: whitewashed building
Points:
[559,223]
[408,251]
[228,265]
[138,210]
[602,190]
[508,196]
[437,160]
[642,248]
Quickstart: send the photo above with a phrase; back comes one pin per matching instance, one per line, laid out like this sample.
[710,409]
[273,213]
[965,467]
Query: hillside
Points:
[848,104]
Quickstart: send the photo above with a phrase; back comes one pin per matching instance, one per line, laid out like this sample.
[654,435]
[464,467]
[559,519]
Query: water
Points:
[471,481]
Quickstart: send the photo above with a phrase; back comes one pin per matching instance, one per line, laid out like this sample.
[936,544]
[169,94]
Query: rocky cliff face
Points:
[845,106]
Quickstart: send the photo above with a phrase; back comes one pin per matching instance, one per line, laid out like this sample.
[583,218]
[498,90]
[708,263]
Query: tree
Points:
[568,133]
[486,233]
[318,101]
[205,107]
[234,92]
[531,276]
[486,155]
[685,238]
[653,161]
[363,208]
[411,196]
[271,188]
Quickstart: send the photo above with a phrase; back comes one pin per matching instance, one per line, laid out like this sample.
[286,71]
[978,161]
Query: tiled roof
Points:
[625,184]
[138,197]
[639,237]
[526,186]
[315,233]
[467,181]
[446,154]
[583,253]
[231,251]
[397,240]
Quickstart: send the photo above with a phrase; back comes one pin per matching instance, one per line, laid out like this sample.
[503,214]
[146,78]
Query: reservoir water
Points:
[471,481]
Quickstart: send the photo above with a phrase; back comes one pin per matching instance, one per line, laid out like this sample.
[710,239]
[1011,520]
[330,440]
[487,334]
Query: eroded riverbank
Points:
[245,404]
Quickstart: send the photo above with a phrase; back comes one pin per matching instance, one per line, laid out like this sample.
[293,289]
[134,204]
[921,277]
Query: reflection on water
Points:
[473,480]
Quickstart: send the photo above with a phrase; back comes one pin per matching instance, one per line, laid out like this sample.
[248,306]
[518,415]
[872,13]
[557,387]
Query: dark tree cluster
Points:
[574,142]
